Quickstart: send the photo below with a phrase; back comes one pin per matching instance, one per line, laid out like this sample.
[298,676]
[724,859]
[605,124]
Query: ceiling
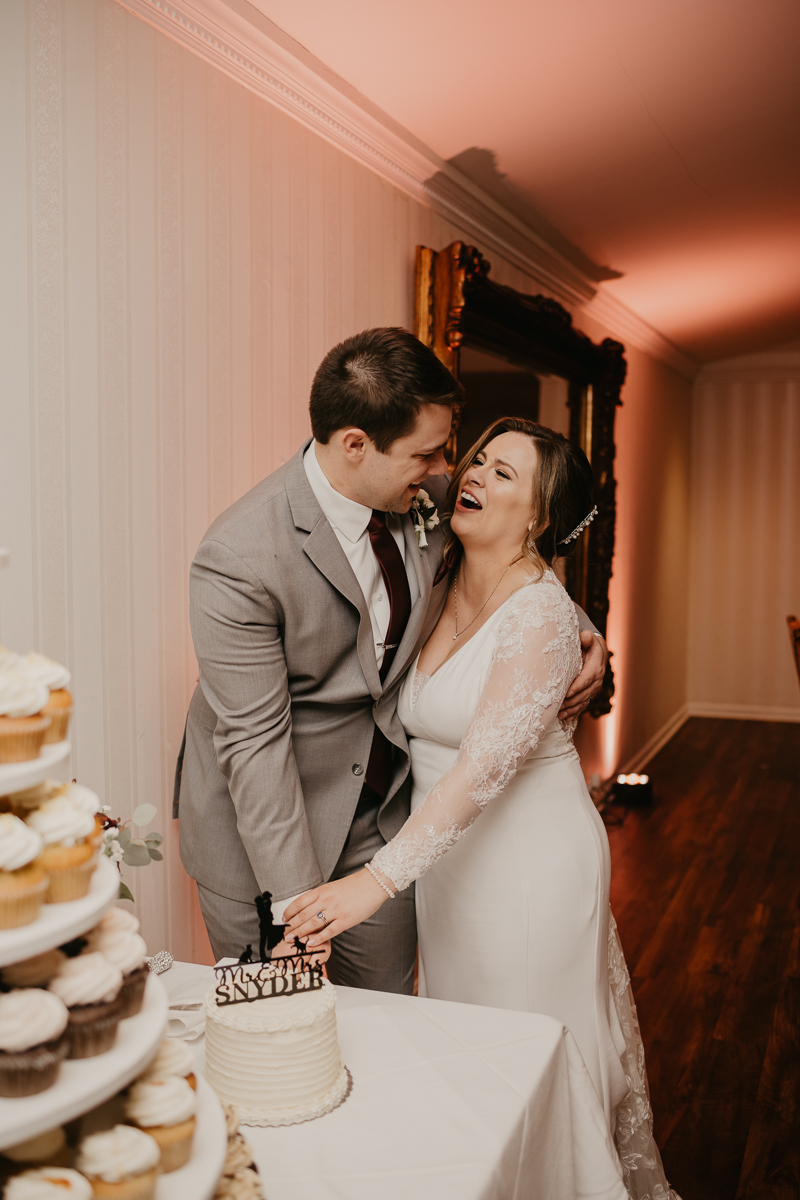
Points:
[656,142]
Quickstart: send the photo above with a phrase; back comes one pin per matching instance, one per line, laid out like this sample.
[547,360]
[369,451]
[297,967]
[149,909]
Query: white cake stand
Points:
[15,777]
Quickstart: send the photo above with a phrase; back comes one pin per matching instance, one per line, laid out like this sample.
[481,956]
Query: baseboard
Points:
[660,738]
[731,712]
[742,712]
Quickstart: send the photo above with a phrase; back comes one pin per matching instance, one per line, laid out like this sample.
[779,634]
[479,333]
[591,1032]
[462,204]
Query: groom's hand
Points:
[589,682]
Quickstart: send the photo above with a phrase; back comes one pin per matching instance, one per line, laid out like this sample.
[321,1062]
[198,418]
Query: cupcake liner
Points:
[92,1028]
[59,724]
[21,906]
[28,1072]
[21,738]
[70,883]
[132,994]
[141,1187]
[175,1143]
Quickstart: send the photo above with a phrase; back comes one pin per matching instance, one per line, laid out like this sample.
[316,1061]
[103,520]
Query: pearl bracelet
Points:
[378,880]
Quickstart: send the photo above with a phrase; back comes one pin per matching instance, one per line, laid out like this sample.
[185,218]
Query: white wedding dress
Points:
[516,914]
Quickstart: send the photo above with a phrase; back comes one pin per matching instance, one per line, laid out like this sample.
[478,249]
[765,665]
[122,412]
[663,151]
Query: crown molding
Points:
[635,331]
[783,364]
[236,38]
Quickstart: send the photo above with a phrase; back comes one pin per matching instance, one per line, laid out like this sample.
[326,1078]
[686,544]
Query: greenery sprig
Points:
[121,846]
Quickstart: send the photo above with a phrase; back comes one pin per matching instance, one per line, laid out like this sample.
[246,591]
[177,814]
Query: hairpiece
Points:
[580,528]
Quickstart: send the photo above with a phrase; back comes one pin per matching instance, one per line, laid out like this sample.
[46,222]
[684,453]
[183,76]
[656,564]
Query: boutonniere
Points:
[424,515]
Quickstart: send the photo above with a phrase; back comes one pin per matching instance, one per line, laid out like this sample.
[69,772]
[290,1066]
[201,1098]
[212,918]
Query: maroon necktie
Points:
[379,768]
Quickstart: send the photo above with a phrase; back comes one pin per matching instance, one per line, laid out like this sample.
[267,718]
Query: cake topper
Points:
[283,975]
[287,975]
[270,934]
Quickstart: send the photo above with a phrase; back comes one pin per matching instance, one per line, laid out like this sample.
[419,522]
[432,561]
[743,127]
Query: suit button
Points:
[358,769]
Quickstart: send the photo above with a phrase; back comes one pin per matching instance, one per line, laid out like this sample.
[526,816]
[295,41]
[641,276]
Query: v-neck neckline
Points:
[455,653]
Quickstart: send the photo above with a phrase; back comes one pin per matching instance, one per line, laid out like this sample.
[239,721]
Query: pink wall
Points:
[648,617]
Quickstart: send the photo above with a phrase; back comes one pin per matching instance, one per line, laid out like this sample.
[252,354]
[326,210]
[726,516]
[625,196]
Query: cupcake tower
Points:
[119,1149]
[91,1103]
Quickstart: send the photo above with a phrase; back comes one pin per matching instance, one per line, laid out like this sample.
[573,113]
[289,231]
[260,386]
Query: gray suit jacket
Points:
[281,724]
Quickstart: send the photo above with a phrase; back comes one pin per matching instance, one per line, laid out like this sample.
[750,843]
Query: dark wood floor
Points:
[705,889]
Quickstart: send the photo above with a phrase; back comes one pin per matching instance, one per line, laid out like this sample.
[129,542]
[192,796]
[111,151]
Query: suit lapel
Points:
[322,547]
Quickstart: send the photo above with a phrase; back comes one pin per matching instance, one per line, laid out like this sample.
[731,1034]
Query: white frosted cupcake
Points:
[121,1163]
[56,679]
[23,722]
[118,920]
[32,1041]
[34,972]
[165,1109]
[88,802]
[90,987]
[68,856]
[125,950]
[23,880]
[173,1057]
[48,1183]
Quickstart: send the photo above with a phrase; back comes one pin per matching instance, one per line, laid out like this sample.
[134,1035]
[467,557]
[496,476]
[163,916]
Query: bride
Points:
[515,912]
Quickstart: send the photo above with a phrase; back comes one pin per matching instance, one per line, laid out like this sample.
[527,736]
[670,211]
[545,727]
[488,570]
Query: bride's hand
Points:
[342,903]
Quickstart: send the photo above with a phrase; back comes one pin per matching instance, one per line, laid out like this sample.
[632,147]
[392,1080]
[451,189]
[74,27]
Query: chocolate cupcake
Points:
[90,987]
[125,950]
[33,1041]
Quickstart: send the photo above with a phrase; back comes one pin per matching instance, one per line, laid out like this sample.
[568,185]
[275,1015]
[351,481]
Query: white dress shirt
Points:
[349,521]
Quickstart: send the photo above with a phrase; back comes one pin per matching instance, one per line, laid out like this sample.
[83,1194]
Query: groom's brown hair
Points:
[377,381]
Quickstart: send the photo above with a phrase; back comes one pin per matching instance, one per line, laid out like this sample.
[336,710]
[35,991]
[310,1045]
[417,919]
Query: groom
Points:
[309,599]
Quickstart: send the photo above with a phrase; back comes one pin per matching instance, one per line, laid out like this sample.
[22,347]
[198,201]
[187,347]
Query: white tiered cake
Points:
[274,1057]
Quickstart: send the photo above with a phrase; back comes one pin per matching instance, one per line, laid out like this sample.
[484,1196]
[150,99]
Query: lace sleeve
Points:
[536,657]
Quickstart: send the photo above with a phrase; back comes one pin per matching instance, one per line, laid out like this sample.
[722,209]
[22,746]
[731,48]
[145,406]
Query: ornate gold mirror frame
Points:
[460,309]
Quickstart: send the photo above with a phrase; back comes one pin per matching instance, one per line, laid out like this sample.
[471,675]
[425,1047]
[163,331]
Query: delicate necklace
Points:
[486,601]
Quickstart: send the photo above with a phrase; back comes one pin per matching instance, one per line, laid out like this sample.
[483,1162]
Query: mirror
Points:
[519,356]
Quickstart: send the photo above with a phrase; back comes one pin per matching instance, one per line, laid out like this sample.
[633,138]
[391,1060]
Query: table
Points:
[448,1101]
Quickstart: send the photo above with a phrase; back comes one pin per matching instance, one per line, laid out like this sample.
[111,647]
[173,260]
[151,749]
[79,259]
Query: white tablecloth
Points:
[448,1101]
